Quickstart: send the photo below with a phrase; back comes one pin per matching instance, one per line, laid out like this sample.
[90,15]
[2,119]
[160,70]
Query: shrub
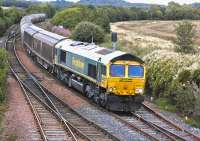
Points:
[2,26]
[86,32]
[3,73]
[197,107]
[185,100]
[196,77]
[185,33]
[184,76]
[70,17]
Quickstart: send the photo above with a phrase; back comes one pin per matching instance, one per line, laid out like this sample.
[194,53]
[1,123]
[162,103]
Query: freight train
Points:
[113,79]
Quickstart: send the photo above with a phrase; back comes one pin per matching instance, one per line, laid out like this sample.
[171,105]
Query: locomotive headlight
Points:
[112,89]
[138,91]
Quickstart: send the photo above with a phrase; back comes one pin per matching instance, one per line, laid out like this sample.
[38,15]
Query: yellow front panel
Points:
[124,85]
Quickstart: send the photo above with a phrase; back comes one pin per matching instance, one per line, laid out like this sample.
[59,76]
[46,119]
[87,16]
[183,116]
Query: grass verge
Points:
[166,105]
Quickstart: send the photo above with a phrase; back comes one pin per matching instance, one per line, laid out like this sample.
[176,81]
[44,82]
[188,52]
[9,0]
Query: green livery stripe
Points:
[85,76]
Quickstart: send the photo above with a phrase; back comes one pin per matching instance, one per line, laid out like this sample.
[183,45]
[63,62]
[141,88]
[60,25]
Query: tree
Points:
[88,32]
[43,8]
[185,33]
[155,12]
[1,12]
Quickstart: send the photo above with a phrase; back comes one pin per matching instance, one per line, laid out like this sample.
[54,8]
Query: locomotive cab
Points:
[126,78]
[125,82]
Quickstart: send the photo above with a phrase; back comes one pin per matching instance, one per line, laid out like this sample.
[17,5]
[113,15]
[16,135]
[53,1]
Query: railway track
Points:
[54,118]
[148,114]
[51,125]
[157,126]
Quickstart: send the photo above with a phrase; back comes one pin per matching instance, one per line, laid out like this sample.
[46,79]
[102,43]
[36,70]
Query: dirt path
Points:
[19,124]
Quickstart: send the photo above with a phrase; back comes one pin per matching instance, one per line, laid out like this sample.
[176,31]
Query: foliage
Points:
[196,77]
[42,8]
[3,73]
[184,76]
[88,32]
[27,3]
[185,100]
[173,80]
[197,107]
[185,33]
[9,17]
[166,104]
[70,17]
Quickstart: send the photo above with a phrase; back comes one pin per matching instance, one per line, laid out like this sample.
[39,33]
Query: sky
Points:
[164,2]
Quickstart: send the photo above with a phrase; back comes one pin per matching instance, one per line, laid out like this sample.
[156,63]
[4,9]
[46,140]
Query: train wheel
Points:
[103,100]
[70,82]
[88,91]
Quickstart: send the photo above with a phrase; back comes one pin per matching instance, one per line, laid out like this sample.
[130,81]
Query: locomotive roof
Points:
[94,52]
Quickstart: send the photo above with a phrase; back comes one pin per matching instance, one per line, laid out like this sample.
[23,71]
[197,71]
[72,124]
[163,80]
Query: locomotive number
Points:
[77,63]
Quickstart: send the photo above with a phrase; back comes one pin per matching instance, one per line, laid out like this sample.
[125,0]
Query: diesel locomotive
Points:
[113,79]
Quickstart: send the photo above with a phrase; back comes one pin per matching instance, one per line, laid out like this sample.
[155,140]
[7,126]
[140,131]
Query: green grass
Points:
[195,121]
[165,104]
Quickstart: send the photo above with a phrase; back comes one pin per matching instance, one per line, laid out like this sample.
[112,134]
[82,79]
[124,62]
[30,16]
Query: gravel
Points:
[173,117]
[19,119]
[176,119]
[110,124]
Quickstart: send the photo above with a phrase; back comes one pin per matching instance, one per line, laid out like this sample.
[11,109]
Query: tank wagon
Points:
[113,79]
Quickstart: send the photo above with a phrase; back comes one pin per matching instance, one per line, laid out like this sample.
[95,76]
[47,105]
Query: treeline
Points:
[103,15]
[46,8]
[26,4]
[173,11]
[16,3]
[9,17]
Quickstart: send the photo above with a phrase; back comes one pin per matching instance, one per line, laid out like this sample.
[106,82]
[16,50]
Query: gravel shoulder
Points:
[19,122]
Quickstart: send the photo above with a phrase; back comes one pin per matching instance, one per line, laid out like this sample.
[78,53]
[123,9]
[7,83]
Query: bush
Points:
[70,17]
[196,77]
[9,17]
[184,76]
[2,26]
[197,107]
[185,100]
[185,33]
[86,32]
[3,73]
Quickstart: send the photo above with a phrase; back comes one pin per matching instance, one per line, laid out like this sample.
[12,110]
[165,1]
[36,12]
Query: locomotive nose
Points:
[126,87]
